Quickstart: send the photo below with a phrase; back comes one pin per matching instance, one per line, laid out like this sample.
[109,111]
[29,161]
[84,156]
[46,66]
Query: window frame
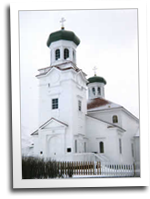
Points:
[79,105]
[73,54]
[84,147]
[68,150]
[132,150]
[101,147]
[76,146]
[55,105]
[93,91]
[57,54]
[115,119]
[120,146]
[66,53]
[99,90]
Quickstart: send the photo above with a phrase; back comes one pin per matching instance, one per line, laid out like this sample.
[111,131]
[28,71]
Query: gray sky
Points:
[108,41]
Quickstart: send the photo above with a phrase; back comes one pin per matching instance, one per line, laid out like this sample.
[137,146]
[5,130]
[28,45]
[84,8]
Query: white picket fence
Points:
[93,169]
[117,170]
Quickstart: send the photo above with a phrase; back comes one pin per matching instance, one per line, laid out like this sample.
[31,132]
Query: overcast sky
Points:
[108,41]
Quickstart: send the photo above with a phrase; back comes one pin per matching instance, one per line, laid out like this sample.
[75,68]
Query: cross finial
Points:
[62,22]
[95,68]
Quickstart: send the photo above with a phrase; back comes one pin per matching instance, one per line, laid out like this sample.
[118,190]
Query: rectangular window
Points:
[55,103]
[79,105]
[132,148]
[93,90]
[84,147]
[75,146]
[120,146]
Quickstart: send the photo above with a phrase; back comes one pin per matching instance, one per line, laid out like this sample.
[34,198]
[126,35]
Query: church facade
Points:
[72,127]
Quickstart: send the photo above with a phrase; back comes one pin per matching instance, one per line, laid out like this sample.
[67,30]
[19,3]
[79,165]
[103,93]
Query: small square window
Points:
[68,150]
[55,103]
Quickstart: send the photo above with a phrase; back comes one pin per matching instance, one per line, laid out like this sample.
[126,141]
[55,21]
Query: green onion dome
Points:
[63,35]
[96,79]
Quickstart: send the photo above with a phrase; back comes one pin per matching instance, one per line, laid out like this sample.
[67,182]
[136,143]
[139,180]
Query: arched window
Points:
[57,54]
[66,53]
[115,119]
[73,55]
[101,147]
[99,90]
[93,90]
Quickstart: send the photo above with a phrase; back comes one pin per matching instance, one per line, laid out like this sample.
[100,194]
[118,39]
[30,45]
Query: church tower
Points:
[96,87]
[62,46]
[62,98]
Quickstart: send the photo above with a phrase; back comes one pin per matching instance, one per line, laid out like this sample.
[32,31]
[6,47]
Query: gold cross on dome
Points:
[62,22]
[95,68]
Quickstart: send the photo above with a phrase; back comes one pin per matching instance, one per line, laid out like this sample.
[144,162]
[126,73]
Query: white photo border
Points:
[18,182]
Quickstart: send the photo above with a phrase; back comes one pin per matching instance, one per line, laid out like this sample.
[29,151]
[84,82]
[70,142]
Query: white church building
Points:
[72,127]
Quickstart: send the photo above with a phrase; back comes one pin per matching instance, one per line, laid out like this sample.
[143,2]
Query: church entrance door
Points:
[54,146]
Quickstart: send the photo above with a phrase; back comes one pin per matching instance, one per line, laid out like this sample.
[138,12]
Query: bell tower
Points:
[62,96]
[62,46]
[96,86]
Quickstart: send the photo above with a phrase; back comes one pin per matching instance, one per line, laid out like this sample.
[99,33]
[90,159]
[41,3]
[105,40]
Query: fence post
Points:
[134,169]
[74,168]
[68,168]
[61,168]
[65,168]
[95,168]
[100,168]
[79,168]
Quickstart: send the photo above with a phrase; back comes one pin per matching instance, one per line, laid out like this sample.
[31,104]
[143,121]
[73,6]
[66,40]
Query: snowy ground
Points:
[105,173]
[99,176]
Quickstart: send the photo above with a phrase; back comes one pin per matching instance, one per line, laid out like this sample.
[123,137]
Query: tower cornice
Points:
[71,65]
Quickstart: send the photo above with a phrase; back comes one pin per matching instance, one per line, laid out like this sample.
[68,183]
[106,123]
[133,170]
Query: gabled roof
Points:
[46,123]
[110,125]
[100,103]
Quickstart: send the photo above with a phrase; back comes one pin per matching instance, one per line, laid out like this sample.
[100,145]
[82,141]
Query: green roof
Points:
[96,79]
[63,35]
